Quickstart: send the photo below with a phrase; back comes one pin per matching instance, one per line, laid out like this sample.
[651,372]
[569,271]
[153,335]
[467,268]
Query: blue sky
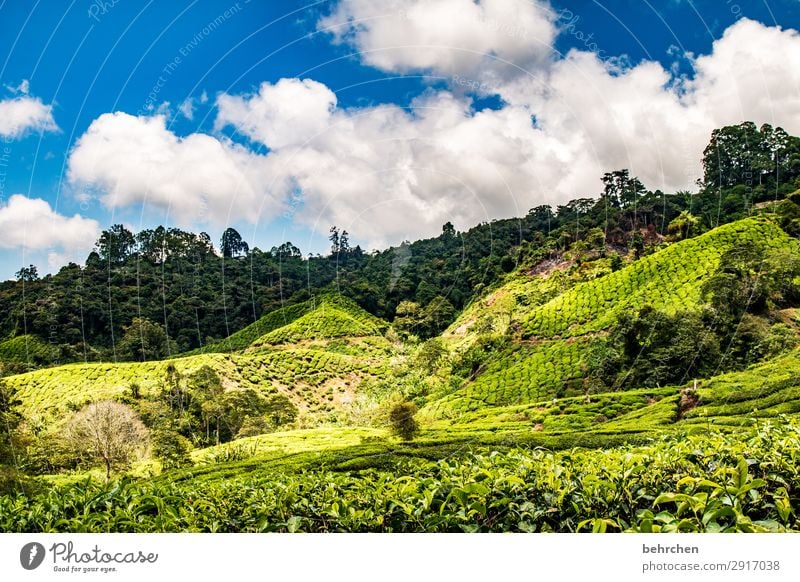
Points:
[83,60]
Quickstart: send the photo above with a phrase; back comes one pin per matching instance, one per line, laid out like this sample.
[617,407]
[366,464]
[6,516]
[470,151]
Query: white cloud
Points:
[197,179]
[386,173]
[24,87]
[22,114]
[32,224]
[643,119]
[752,73]
[446,37]
[187,108]
[289,112]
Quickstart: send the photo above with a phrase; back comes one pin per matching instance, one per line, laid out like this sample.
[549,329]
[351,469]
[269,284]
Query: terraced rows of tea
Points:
[327,321]
[669,280]
[764,391]
[26,349]
[563,329]
[243,338]
[329,316]
[524,374]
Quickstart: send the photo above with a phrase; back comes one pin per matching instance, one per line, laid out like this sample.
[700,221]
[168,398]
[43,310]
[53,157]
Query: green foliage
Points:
[402,421]
[144,340]
[171,448]
[20,353]
[279,411]
[684,226]
[681,483]
[654,348]
[753,278]
[431,354]
[9,421]
[670,280]
[245,337]
[331,317]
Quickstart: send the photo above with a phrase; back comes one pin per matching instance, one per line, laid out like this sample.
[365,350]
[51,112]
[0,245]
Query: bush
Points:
[402,421]
[171,448]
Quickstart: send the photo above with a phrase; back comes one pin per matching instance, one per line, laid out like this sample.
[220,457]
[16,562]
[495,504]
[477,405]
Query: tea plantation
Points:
[518,427]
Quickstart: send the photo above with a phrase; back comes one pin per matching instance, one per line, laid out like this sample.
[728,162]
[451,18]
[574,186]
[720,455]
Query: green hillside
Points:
[528,344]
[669,280]
[245,337]
[316,381]
[27,349]
[329,318]
[551,358]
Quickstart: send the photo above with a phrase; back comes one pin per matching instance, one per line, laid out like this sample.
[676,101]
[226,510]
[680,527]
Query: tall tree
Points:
[116,244]
[232,244]
[334,238]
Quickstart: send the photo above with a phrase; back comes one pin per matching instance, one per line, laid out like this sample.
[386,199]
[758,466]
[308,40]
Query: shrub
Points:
[402,421]
[171,448]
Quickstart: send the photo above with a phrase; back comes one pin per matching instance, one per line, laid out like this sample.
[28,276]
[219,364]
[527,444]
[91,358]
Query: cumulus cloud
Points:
[129,160]
[23,114]
[287,113]
[753,72]
[387,173]
[445,37]
[32,224]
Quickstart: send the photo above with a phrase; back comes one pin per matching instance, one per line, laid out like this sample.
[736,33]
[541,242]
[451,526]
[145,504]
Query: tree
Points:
[206,402]
[654,348]
[232,244]
[27,274]
[402,421]
[115,245]
[106,432]
[334,238]
[279,410]
[144,340]
[407,317]
[620,189]
[752,279]
[174,393]
[431,354]
[238,406]
[436,316]
[171,448]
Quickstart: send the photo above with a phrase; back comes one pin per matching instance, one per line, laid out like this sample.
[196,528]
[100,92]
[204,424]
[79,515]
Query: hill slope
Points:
[322,357]
[550,358]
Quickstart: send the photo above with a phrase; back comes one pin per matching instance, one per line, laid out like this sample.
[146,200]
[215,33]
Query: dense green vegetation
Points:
[623,363]
[710,482]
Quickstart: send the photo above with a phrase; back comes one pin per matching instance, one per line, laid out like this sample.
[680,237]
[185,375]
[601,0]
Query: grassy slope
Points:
[313,324]
[331,317]
[560,330]
[509,405]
